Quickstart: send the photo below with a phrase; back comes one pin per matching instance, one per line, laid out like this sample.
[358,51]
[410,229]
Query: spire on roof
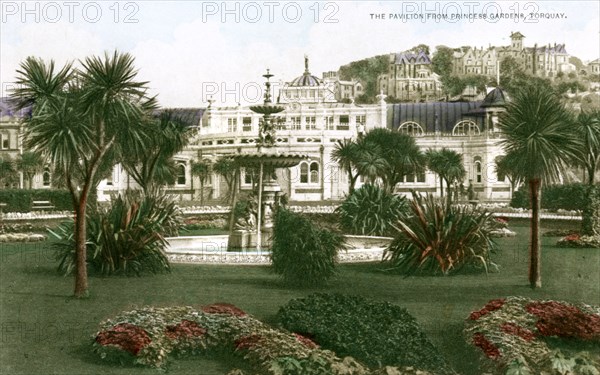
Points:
[306,65]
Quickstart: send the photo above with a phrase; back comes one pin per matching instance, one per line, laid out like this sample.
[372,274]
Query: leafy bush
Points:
[21,200]
[206,221]
[371,211]
[376,333]
[521,336]
[438,237]
[151,336]
[302,253]
[554,197]
[128,238]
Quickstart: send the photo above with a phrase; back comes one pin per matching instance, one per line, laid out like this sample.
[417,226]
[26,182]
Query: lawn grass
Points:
[45,331]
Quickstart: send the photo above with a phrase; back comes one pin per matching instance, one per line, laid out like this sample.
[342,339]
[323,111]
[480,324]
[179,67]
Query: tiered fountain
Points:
[266,159]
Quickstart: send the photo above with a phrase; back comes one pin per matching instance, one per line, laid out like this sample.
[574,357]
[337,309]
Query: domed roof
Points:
[495,98]
[306,79]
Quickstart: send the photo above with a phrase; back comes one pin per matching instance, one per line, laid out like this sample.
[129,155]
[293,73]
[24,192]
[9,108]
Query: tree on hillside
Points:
[538,142]
[420,48]
[367,71]
[79,118]
[442,61]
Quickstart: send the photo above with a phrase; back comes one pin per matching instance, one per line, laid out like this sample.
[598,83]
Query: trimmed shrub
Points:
[520,336]
[128,238]
[302,253]
[442,238]
[554,197]
[376,333]
[151,336]
[21,200]
[371,211]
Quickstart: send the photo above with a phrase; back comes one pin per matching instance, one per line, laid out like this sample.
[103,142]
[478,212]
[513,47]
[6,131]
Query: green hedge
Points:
[21,200]
[376,333]
[554,197]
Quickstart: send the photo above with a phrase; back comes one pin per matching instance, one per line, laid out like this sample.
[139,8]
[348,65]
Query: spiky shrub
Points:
[371,211]
[128,238]
[441,238]
[302,253]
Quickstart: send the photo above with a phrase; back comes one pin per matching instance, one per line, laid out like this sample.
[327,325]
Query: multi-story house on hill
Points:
[410,77]
[543,61]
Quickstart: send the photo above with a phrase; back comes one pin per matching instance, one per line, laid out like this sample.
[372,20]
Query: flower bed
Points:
[22,237]
[575,240]
[149,336]
[522,336]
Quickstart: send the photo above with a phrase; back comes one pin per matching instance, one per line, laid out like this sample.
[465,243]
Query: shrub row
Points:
[554,197]
[150,336]
[21,200]
[376,333]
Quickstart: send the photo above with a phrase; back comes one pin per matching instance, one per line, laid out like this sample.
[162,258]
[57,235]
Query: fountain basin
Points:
[213,250]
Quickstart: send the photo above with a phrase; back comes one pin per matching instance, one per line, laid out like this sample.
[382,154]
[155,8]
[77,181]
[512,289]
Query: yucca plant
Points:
[441,238]
[128,238]
[302,253]
[371,211]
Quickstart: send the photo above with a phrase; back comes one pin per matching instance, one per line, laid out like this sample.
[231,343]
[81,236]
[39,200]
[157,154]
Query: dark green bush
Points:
[128,238]
[376,333]
[441,238]
[554,197]
[371,211]
[302,253]
[21,200]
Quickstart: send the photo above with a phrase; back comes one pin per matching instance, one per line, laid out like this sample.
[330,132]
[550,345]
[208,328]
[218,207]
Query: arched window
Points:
[466,128]
[46,177]
[314,172]
[477,170]
[411,128]
[4,141]
[309,173]
[181,174]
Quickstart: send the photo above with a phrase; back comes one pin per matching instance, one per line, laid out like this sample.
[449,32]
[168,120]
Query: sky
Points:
[190,51]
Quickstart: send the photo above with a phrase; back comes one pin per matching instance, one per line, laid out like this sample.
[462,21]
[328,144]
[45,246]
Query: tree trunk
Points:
[590,224]
[201,191]
[441,187]
[535,274]
[81,280]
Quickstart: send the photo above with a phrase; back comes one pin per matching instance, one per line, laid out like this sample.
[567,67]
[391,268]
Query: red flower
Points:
[223,308]
[186,328]
[516,330]
[247,342]
[306,341]
[492,305]
[126,336]
[489,349]
[562,320]
[572,237]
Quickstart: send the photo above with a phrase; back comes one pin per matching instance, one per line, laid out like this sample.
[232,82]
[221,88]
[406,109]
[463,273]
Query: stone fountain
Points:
[267,159]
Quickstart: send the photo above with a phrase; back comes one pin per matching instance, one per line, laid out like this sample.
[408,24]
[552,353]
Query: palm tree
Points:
[538,141]
[448,165]
[80,119]
[588,125]
[30,163]
[401,153]
[346,154]
[7,171]
[165,135]
[226,167]
[503,169]
[202,169]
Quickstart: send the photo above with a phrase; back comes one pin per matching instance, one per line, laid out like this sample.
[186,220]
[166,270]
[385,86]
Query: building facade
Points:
[543,61]
[410,77]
